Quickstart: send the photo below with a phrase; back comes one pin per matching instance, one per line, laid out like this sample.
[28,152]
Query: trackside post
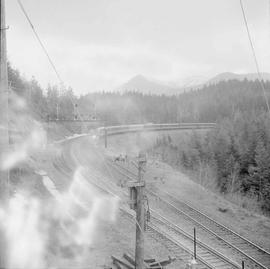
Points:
[105,137]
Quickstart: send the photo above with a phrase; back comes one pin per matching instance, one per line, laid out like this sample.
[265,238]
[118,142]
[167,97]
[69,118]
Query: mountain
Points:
[145,85]
[229,76]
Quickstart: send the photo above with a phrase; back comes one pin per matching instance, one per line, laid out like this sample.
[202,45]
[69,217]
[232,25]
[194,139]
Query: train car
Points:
[121,129]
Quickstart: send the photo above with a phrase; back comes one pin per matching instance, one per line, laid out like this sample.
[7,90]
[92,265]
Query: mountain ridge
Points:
[225,76]
[145,85]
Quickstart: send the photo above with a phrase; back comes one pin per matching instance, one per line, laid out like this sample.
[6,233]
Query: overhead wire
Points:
[62,83]
[46,52]
[52,63]
[268,20]
[40,41]
[254,56]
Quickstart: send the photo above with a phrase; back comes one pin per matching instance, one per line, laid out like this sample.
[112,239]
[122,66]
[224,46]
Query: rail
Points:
[202,220]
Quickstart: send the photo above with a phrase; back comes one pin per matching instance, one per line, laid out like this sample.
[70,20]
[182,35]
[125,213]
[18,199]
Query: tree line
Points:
[211,103]
[237,152]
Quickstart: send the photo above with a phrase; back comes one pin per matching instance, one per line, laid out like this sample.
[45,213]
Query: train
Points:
[148,127]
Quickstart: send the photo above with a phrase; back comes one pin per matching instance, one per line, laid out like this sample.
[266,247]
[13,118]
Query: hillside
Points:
[145,85]
[230,76]
[142,84]
[242,136]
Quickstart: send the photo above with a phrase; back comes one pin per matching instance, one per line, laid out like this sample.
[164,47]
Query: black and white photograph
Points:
[134,134]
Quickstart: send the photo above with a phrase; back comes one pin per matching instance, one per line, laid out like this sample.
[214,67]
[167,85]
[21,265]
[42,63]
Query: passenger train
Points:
[121,129]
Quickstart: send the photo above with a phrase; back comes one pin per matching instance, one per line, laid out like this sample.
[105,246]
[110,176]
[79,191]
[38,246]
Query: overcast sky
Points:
[99,44]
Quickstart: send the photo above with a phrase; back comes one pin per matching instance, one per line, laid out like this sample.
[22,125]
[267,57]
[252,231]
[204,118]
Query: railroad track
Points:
[158,228]
[205,253]
[220,236]
[179,250]
[253,255]
[179,241]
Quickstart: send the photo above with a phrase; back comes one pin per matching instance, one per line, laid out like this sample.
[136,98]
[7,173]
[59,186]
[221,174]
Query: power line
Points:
[40,42]
[254,56]
[47,55]
[269,16]
[50,61]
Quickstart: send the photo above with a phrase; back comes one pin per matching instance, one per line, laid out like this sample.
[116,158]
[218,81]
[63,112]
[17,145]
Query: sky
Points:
[100,44]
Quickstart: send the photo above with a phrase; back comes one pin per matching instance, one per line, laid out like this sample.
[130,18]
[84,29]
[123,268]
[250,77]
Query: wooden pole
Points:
[105,137]
[4,135]
[195,250]
[57,111]
[105,132]
[140,216]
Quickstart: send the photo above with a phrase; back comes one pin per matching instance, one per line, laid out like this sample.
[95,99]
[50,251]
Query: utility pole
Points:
[105,137]
[4,134]
[105,132]
[75,111]
[140,215]
[195,251]
[136,192]
[57,111]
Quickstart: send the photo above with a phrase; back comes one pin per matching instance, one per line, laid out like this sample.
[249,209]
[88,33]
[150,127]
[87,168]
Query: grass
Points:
[206,177]
[203,175]
[199,188]
[248,202]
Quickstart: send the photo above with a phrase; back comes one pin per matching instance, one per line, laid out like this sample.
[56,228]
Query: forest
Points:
[236,154]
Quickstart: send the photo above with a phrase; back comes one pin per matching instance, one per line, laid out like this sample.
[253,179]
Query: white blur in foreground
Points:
[79,211]
[100,207]
[26,134]
[26,242]
[20,152]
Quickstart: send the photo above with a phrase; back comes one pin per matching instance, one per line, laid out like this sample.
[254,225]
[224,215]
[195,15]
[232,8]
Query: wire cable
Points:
[54,67]
[62,82]
[45,50]
[269,16]
[55,70]
[40,42]
[254,56]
